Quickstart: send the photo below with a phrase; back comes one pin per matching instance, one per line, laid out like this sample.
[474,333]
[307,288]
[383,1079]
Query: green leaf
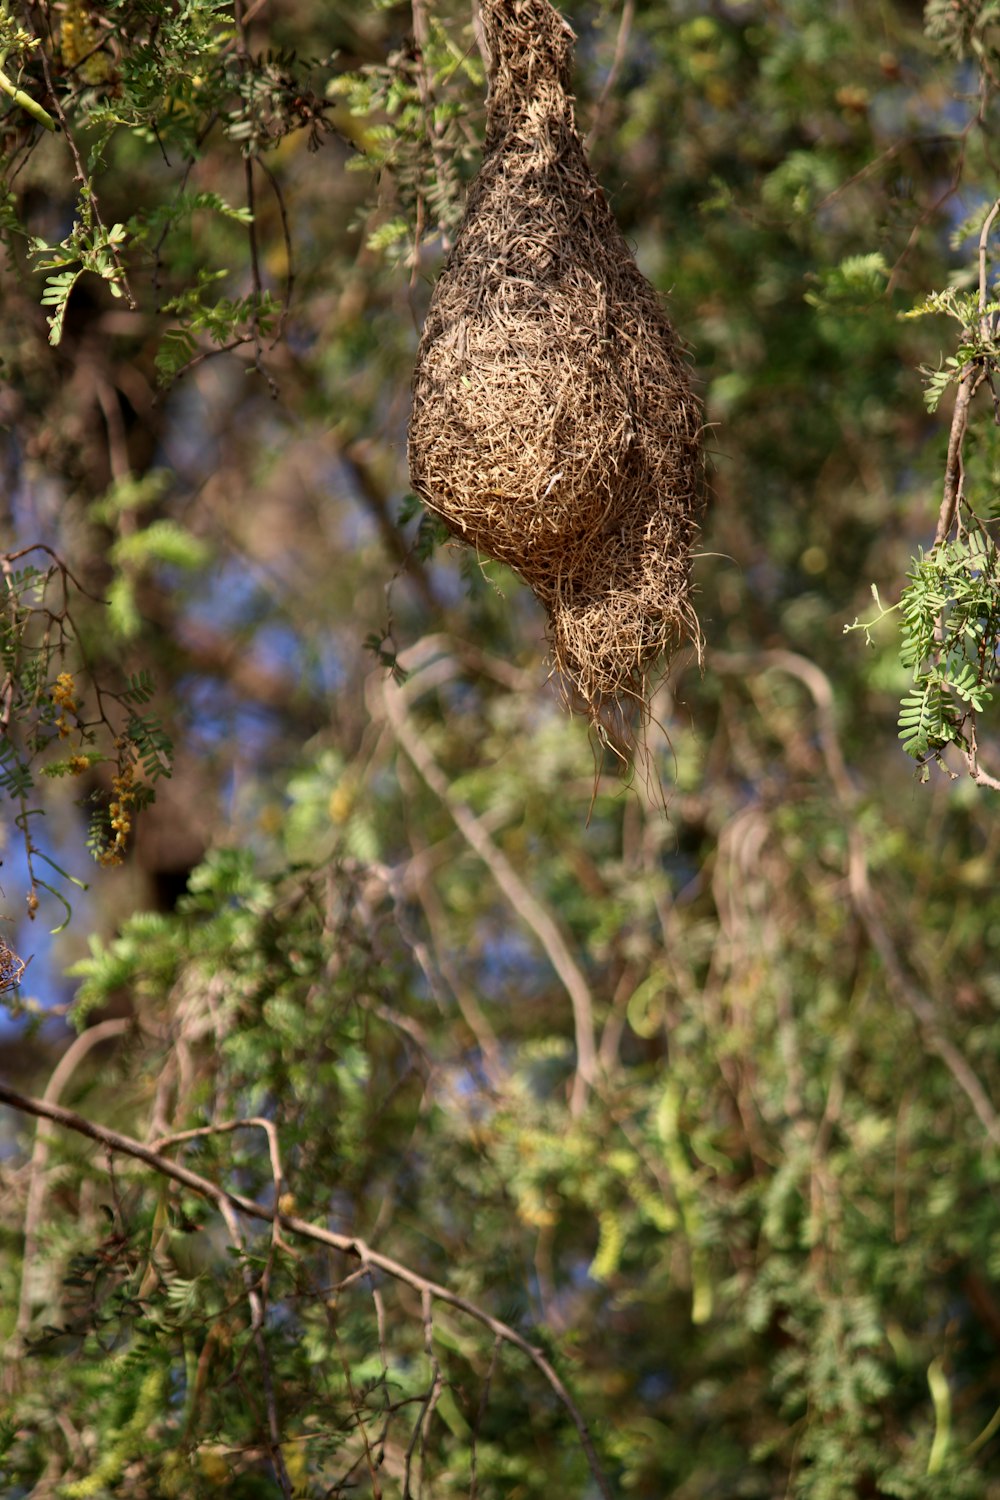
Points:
[923,721]
[56,295]
[852,286]
[163,541]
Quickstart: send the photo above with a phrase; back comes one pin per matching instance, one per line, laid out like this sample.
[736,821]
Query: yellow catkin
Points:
[80,45]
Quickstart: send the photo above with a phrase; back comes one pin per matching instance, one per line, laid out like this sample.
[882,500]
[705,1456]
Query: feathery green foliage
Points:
[694,1106]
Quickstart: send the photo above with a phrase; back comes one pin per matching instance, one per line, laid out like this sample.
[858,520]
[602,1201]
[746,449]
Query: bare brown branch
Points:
[114,1141]
[524,902]
[972,379]
[866,903]
[621,47]
[67,1065]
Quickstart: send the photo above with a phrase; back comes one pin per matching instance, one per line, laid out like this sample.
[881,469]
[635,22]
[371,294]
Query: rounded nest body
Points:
[553,426]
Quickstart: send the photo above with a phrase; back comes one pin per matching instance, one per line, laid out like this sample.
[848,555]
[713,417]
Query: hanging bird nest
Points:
[11,967]
[553,426]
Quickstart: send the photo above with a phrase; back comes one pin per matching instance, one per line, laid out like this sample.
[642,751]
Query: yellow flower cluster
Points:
[64,698]
[80,43]
[120,813]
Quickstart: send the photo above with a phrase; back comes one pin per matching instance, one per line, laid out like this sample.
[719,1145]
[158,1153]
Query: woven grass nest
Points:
[553,426]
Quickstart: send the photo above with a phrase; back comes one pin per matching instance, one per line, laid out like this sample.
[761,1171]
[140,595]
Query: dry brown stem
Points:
[255,1298]
[621,47]
[971,380]
[67,1065]
[976,374]
[524,902]
[864,899]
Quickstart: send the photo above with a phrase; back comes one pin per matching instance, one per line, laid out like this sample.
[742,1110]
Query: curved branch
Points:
[864,899]
[984,238]
[226,1201]
[954,472]
[621,46]
[972,379]
[63,1071]
[524,902]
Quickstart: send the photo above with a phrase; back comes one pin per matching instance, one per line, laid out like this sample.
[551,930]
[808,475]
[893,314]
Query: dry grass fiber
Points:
[553,425]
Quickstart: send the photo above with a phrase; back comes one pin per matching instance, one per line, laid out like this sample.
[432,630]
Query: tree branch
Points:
[255,1297]
[224,1200]
[984,239]
[62,1073]
[621,46]
[864,899]
[953,468]
[524,902]
[968,386]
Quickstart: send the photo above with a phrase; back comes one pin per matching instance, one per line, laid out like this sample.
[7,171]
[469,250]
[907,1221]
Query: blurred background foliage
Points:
[697,1101]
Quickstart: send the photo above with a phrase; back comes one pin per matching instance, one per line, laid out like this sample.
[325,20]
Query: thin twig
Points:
[67,1065]
[975,375]
[224,1128]
[621,47]
[257,1122]
[59,566]
[884,157]
[984,237]
[420,1430]
[480,1414]
[976,772]
[954,471]
[114,1140]
[256,1302]
[524,902]
[83,178]
[118,456]
[286,235]
[465,998]
[373,1450]
[867,907]
[865,901]
[425,88]
[249,157]
[820,690]
[939,202]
